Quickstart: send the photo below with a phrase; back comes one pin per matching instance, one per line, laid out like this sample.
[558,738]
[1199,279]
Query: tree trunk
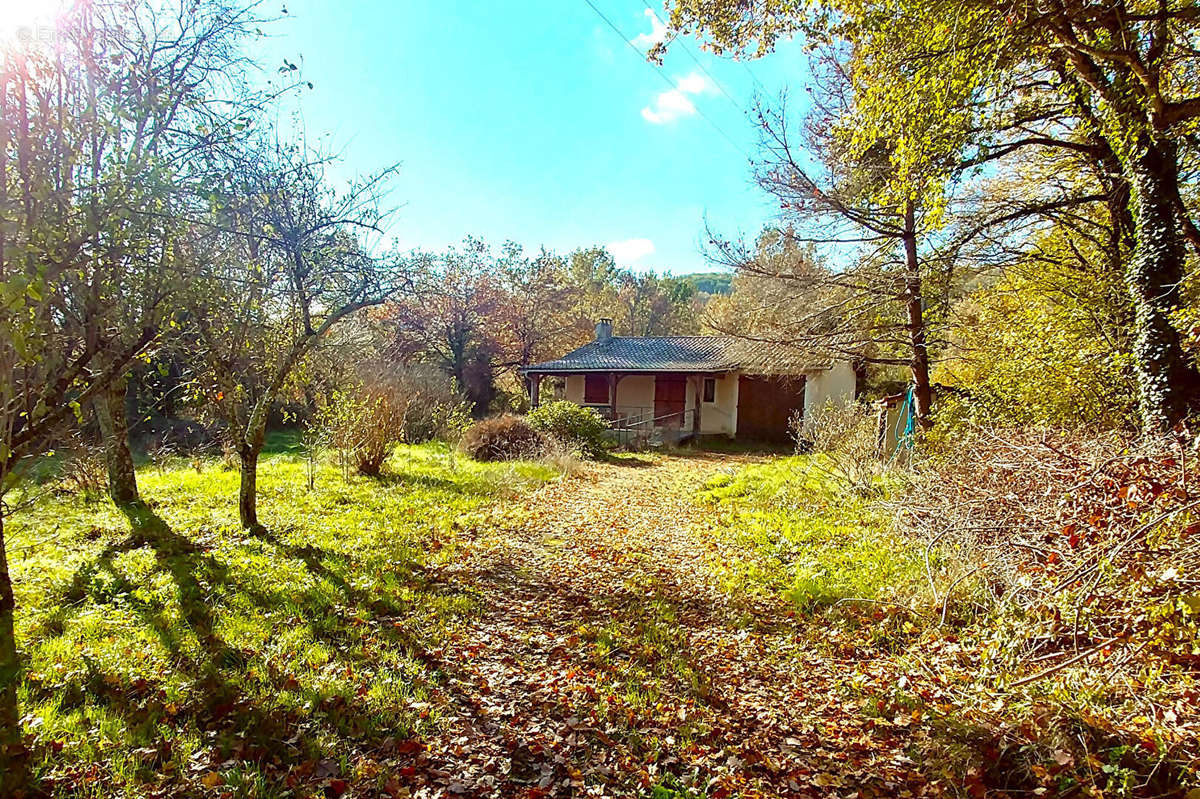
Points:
[248,491]
[13,761]
[1168,385]
[922,390]
[114,428]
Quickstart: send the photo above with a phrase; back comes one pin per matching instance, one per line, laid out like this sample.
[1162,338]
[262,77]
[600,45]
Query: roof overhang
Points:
[622,370]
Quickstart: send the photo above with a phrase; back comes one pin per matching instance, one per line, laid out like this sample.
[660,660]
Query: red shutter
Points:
[595,389]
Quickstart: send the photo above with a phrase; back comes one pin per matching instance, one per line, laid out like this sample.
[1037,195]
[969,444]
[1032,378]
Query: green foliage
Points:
[581,429]
[639,303]
[502,438]
[709,282]
[1048,347]
[816,543]
[190,648]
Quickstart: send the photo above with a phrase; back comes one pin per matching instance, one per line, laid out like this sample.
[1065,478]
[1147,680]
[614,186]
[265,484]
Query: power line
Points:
[687,51]
[712,77]
[696,61]
[668,81]
[750,72]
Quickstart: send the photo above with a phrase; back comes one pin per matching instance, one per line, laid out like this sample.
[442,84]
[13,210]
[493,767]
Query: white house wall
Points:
[635,395]
[720,416]
[574,389]
[834,385]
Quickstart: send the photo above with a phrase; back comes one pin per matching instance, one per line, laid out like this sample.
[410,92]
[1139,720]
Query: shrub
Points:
[363,423]
[84,469]
[435,409]
[1048,545]
[580,429]
[843,440]
[384,405]
[502,438]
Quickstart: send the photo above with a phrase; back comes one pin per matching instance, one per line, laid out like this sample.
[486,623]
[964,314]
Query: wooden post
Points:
[699,402]
[535,385]
[612,394]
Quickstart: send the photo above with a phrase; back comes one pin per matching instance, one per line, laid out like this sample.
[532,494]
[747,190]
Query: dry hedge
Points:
[502,438]
[1066,570]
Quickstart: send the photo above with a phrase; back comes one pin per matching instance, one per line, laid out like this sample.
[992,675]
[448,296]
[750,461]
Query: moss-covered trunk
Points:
[915,309]
[248,490]
[1168,384]
[114,428]
[13,763]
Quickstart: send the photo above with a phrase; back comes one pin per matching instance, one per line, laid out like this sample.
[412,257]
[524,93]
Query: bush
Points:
[580,429]
[1048,545]
[843,441]
[84,469]
[502,438]
[385,405]
[362,423]
[1046,344]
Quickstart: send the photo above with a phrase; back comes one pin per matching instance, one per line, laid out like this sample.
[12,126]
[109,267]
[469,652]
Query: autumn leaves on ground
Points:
[608,659]
[694,624]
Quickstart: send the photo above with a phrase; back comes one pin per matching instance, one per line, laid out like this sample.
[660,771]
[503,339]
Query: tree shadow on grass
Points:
[315,560]
[231,694]
[462,487]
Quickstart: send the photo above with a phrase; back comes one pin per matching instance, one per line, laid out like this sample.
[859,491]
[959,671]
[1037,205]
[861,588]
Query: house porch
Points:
[691,403]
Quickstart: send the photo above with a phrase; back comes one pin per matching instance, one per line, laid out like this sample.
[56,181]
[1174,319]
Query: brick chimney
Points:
[604,329]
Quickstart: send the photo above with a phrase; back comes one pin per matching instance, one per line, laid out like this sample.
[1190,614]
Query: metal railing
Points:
[641,426]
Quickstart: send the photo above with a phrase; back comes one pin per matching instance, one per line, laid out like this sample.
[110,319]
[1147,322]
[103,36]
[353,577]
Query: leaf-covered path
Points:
[608,661]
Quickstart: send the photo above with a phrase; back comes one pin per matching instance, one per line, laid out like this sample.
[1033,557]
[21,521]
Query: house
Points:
[682,386]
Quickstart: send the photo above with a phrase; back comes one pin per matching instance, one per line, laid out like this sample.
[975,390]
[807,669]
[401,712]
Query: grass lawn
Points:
[173,648]
[818,545]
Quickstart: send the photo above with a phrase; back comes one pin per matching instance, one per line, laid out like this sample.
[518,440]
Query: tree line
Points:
[480,315]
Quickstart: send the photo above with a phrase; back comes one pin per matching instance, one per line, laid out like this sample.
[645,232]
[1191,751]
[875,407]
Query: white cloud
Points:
[675,103]
[695,83]
[658,32]
[630,250]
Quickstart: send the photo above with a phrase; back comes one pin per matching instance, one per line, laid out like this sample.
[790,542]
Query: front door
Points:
[670,399]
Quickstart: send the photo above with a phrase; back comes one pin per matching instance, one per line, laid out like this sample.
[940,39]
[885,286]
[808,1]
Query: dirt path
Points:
[608,661]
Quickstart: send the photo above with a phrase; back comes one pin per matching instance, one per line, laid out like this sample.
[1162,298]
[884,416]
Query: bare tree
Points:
[285,259]
[845,274]
[452,319]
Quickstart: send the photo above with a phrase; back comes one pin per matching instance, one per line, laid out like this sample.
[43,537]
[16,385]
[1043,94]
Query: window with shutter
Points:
[595,390]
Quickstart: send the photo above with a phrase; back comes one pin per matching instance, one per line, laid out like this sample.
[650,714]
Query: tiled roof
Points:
[676,354]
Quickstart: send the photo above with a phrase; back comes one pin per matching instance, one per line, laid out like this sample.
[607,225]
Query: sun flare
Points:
[29,18]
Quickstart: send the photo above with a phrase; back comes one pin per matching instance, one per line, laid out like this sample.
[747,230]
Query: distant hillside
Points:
[710,282]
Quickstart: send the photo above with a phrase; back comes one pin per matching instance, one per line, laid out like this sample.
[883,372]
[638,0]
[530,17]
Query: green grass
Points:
[172,647]
[812,541]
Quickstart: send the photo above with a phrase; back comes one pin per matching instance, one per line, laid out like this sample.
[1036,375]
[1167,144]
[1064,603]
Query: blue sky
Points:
[529,121]
[535,122]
